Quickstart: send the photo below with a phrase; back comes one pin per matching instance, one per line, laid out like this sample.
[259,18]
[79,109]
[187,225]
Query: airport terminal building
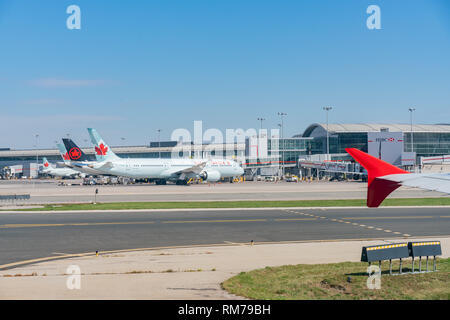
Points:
[424,139]
[399,141]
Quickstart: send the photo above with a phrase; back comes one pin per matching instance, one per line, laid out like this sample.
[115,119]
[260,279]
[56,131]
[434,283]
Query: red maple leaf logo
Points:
[75,153]
[66,156]
[102,150]
[46,164]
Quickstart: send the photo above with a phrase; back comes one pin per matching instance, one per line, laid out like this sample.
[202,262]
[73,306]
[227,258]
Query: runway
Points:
[26,236]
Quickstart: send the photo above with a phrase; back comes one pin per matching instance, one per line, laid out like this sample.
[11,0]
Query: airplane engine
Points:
[212,176]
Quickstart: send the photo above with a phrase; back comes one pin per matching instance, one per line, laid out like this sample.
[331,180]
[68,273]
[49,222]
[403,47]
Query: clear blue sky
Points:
[136,66]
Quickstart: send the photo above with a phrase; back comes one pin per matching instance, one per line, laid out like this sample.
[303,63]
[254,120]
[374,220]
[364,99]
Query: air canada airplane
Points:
[384,178]
[162,170]
[58,172]
[63,153]
[77,160]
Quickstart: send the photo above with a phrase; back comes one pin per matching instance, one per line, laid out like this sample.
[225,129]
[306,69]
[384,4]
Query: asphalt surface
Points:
[26,236]
[44,192]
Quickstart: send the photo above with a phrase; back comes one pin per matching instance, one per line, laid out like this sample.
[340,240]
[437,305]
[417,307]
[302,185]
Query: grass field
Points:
[243,204]
[330,281]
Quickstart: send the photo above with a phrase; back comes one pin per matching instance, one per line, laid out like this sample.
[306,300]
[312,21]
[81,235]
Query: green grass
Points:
[241,204]
[329,281]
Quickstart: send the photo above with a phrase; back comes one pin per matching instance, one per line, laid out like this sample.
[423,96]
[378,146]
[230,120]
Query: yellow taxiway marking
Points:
[296,219]
[37,225]
[213,221]
[370,227]
[86,224]
[377,218]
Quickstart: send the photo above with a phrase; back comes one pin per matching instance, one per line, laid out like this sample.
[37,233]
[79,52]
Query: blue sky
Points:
[137,66]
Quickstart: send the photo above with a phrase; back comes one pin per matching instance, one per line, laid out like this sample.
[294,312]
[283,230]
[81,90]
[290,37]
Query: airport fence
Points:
[6,199]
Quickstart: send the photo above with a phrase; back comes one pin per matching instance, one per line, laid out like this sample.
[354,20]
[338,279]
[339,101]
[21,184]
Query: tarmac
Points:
[33,235]
[171,273]
[47,191]
[214,243]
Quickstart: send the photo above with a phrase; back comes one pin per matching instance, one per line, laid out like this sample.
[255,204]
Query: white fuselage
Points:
[166,168]
[60,172]
[85,167]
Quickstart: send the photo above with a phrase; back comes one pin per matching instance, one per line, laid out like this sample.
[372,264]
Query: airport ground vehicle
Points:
[105,180]
[12,172]
[292,179]
[6,173]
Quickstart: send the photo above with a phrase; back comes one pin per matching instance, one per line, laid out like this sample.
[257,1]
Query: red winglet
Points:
[378,189]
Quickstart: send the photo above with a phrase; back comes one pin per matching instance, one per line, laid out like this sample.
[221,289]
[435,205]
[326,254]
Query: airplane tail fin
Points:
[74,153]
[45,163]
[102,150]
[378,188]
[63,151]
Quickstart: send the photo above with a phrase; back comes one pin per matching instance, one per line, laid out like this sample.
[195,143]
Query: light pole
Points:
[411,110]
[159,142]
[37,161]
[279,146]
[259,136]
[261,119]
[282,114]
[327,109]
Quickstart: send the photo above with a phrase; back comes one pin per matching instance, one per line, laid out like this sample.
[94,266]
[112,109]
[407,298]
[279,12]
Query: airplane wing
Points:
[435,182]
[66,164]
[194,169]
[384,178]
[105,165]
[72,165]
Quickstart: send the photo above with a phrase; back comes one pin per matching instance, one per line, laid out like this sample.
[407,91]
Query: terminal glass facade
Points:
[288,149]
[339,142]
[428,144]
